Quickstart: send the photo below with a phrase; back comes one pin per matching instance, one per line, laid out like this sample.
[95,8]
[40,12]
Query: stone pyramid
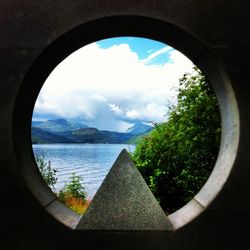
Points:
[124,202]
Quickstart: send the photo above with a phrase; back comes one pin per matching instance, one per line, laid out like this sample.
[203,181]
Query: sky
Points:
[113,84]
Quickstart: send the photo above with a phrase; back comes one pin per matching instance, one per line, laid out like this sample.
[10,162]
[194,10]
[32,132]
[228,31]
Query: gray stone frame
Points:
[121,26]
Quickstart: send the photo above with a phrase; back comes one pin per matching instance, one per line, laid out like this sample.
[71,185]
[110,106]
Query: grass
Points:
[78,205]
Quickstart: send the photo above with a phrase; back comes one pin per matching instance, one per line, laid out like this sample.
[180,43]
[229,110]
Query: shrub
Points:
[74,195]
[177,157]
[47,172]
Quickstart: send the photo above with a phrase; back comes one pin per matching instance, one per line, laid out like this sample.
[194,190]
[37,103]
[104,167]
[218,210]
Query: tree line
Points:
[177,157]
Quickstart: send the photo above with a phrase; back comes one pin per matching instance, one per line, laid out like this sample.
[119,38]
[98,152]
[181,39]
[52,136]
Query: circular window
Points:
[100,29]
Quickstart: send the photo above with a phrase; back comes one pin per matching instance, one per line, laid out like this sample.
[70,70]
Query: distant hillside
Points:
[40,136]
[36,123]
[139,128]
[77,123]
[93,135]
[137,138]
[75,131]
[83,135]
[58,125]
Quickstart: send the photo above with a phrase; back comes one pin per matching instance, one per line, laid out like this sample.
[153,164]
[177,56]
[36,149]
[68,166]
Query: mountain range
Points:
[139,128]
[73,131]
[58,125]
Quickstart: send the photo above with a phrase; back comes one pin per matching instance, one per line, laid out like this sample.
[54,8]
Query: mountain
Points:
[40,136]
[36,123]
[137,138]
[58,125]
[82,135]
[77,123]
[93,135]
[139,128]
[75,131]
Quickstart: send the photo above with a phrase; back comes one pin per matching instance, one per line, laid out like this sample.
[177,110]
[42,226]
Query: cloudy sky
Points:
[113,83]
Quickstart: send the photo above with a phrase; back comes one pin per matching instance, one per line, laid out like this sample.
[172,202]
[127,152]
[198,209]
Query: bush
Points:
[73,194]
[48,174]
[177,157]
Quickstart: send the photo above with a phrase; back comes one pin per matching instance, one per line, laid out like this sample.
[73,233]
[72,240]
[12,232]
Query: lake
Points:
[90,161]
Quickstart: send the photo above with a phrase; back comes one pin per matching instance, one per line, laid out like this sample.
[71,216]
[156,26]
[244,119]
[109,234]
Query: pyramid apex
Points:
[124,202]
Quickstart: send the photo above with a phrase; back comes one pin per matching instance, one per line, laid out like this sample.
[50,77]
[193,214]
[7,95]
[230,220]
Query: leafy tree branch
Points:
[177,157]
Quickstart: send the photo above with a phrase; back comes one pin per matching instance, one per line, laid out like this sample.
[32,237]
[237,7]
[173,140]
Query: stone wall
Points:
[36,35]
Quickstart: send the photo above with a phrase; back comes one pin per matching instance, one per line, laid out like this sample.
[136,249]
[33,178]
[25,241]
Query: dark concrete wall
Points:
[27,27]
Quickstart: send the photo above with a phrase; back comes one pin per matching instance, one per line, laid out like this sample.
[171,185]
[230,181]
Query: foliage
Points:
[40,136]
[73,194]
[137,138]
[47,172]
[177,157]
[77,204]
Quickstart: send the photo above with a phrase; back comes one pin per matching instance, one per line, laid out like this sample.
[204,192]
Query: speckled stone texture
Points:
[124,202]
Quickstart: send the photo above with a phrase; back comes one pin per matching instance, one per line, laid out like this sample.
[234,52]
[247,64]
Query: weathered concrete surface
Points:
[28,27]
[124,202]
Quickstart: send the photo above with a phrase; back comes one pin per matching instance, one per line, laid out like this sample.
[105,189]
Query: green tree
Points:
[177,157]
[73,189]
[47,172]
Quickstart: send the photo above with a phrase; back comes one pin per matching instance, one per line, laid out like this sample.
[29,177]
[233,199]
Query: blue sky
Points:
[141,46]
[113,84]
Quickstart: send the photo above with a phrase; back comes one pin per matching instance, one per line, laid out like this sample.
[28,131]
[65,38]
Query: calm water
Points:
[91,161]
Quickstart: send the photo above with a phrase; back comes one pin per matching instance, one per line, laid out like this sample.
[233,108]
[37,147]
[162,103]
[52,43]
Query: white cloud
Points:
[156,111]
[98,98]
[156,53]
[150,50]
[116,109]
[133,114]
[111,87]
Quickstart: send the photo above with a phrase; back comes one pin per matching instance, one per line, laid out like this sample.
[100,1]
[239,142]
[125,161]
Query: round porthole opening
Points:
[170,166]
